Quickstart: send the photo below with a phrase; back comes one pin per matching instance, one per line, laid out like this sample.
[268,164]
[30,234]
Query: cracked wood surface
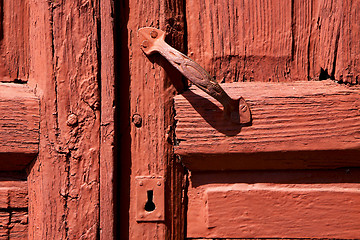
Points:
[19,126]
[295,125]
[266,40]
[14,34]
[108,145]
[13,210]
[64,179]
[151,97]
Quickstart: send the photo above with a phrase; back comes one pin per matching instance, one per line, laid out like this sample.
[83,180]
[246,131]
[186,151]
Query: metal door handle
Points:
[153,40]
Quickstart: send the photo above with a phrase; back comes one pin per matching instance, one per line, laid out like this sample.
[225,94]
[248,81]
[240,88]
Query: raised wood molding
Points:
[295,125]
[19,126]
[297,204]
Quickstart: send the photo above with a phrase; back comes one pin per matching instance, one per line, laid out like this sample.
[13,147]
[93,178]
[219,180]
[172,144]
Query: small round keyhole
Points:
[150,205]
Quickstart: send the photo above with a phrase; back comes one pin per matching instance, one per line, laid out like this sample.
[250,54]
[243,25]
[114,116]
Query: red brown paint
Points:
[275,40]
[272,41]
[55,47]
[295,126]
[275,204]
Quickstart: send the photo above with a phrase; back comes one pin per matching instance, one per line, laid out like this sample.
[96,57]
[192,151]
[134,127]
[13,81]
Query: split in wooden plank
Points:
[319,119]
[275,40]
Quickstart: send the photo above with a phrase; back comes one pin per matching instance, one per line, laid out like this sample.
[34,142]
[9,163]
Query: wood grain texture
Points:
[13,194]
[13,225]
[295,125]
[64,180]
[151,93]
[14,43]
[348,58]
[305,204]
[13,210]
[264,40]
[107,134]
[19,126]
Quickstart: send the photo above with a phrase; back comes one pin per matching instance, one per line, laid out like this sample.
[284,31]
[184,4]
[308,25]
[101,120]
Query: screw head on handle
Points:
[148,37]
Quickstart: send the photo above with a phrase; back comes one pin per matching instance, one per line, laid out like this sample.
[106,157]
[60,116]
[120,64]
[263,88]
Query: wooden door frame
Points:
[83,189]
[116,70]
[129,16]
[64,72]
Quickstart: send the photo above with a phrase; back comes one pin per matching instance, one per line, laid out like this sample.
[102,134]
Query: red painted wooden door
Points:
[50,122]
[294,172]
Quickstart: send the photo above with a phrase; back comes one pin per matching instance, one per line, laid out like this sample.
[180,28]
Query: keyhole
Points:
[150,206]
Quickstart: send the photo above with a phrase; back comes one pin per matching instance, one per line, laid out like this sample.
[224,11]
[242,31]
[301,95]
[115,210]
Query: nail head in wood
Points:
[72,120]
[137,120]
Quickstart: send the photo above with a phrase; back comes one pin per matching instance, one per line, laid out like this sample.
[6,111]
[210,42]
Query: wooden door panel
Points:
[308,125]
[241,40]
[295,126]
[300,125]
[275,204]
[265,40]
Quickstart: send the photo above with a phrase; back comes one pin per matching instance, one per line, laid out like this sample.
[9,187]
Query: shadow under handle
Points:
[153,40]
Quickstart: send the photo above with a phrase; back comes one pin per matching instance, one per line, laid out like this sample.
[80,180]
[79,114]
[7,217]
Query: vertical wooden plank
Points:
[3,72]
[107,134]
[301,27]
[264,40]
[44,176]
[151,93]
[1,21]
[325,33]
[241,40]
[14,49]
[64,180]
[325,29]
[348,53]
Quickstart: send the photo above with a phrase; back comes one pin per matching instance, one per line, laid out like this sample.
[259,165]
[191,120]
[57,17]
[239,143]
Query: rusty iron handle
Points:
[153,40]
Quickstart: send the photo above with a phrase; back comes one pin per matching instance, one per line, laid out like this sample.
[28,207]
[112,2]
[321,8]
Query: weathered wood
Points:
[348,48]
[64,180]
[13,194]
[13,224]
[151,95]
[19,126]
[14,48]
[13,210]
[266,40]
[275,204]
[295,125]
[19,225]
[107,134]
